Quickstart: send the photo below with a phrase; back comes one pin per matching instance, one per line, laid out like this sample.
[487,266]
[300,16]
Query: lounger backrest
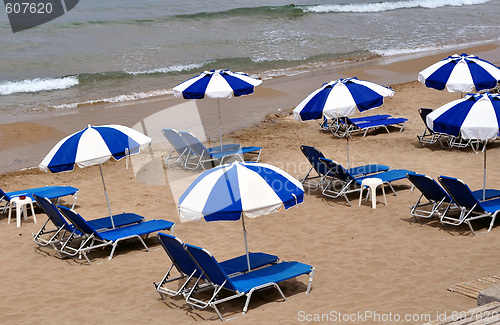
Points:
[338,170]
[460,192]
[3,196]
[429,187]
[52,212]
[313,155]
[175,139]
[174,248]
[209,266]
[79,222]
[195,144]
[423,114]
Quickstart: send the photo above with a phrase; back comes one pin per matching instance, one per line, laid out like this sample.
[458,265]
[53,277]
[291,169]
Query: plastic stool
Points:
[21,202]
[372,184]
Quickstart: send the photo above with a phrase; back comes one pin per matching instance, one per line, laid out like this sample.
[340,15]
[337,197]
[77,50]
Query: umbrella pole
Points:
[220,126]
[245,236]
[347,147]
[107,199]
[484,172]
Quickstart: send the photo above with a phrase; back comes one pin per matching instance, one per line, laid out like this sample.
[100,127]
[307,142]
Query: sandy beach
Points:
[376,262]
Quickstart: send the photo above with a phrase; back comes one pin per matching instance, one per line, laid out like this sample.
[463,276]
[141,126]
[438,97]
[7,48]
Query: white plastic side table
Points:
[21,204]
[372,184]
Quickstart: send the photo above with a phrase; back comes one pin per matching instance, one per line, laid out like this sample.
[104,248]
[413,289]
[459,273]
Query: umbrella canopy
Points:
[341,97]
[476,116]
[217,84]
[229,191]
[464,73]
[94,145]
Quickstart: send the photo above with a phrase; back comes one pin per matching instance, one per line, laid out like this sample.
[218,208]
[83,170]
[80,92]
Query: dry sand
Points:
[367,261]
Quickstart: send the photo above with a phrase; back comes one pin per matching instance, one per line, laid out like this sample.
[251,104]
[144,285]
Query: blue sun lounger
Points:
[338,127]
[63,229]
[350,183]
[201,154]
[180,148]
[94,238]
[50,192]
[187,269]
[322,176]
[470,207]
[438,199]
[240,285]
[352,127]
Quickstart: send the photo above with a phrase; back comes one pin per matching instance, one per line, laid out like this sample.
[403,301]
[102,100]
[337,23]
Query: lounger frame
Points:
[224,282]
[352,184]
[437,203]
[470,207]
[199,155]
[93,239]
[179,151]
[187,269]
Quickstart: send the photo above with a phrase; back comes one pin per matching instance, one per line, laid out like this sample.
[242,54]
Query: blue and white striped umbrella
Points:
[476,116]
[217,84]
[464,73]
[229,191]
[94,145]
[341,97]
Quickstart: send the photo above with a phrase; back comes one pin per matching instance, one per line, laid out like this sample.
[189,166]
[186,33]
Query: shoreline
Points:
[24,143]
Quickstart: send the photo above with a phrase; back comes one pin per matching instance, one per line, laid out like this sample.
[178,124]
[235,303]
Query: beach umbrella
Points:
[476,116]
[217,84]
[342,97]
[230,191]
[464,73]
[94,145]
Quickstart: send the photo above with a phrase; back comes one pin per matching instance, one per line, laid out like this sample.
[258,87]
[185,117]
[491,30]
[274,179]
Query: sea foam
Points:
[386,6]
[36,85]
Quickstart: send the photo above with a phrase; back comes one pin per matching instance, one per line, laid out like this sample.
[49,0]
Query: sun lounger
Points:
[94,238]
[199,154]
[241,285]
[187,270]
[438,201]
[470,207]
[352,127]
[180,148]
[63,229]
[322,175]
[338,127]
[430,137]
[50,192]
[349,183]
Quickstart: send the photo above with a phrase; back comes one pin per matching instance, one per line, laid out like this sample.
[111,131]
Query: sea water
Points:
[119,50]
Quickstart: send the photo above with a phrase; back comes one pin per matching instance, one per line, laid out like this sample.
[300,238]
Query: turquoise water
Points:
[118,50]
